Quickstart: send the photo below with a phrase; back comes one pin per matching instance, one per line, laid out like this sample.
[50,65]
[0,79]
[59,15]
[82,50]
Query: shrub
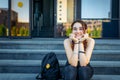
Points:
[22,31]
[68,31]
[2,30]
[26,31]
[13,31]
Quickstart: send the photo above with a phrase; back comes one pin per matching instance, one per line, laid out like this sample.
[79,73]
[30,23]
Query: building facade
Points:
[52,18]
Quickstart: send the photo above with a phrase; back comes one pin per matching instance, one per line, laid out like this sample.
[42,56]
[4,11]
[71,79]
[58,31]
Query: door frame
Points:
[55,17]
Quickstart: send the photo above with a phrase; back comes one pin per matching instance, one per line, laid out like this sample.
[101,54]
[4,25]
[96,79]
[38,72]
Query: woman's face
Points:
[77,30]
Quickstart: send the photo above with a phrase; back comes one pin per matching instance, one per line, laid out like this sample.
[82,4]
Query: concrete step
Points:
[31,54]
[59,39]
[106,77]
[32,39]
[23,76]
[33,66]
[17,76]
[52,44]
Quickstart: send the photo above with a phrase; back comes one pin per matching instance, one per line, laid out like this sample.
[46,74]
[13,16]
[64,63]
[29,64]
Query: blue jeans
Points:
[77,73]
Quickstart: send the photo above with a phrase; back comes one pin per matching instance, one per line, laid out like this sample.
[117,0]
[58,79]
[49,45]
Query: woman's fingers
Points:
[85,36]
[80,38]
[72,37]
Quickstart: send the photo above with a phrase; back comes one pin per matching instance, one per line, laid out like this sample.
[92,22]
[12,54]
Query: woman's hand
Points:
[73,38]
[84,37]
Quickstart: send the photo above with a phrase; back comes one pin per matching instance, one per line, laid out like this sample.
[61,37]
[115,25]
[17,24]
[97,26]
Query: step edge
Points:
[61,62]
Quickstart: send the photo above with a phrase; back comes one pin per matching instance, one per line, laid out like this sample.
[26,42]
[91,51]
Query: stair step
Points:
[102,41]
[24,51]
[23,76]
[53,44]
[62,63]
[106,77]
[17,76]
[33,66]
[33,39]
[23,54]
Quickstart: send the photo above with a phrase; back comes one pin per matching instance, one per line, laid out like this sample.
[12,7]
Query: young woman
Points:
[78,47]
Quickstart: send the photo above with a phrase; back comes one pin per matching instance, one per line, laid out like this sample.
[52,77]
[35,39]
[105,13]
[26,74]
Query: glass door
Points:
[43,18]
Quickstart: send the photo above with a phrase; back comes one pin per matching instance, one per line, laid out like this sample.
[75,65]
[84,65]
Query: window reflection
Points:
[4,18]
[95,27]
[65,16]
[20,18]
[96,8]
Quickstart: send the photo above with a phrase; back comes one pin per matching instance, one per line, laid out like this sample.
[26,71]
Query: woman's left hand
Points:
[84,37]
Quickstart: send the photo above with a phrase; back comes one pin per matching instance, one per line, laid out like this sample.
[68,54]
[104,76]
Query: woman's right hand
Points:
[72,37]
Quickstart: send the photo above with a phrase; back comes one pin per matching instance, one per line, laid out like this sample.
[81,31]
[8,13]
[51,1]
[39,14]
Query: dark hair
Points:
[84,25]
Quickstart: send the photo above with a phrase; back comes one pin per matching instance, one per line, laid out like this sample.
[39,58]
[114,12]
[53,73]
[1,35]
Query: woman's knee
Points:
[70,72]
[83,73]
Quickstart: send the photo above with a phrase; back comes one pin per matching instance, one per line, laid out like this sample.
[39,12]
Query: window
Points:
[65,16]
[96,8]
[95,13]
[20,18]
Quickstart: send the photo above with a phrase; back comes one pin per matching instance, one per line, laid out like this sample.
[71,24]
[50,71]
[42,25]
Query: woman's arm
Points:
[85,58]
[72,56]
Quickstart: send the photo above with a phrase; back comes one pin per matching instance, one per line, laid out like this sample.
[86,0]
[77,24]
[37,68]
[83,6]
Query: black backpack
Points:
[50,67]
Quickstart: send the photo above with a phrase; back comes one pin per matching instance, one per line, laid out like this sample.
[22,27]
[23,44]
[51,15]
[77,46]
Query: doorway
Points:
[43,19]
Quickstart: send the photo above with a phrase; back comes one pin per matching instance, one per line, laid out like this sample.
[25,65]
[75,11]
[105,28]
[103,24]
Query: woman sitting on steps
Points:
[78,48]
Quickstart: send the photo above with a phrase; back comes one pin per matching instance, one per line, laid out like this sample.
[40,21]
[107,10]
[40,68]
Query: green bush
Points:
[13,31]
[2,30]
[26,32]
[96,33]
[68,31]
[22,31]
[17,30]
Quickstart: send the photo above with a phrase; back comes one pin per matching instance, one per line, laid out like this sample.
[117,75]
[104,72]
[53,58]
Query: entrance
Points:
[43,19]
